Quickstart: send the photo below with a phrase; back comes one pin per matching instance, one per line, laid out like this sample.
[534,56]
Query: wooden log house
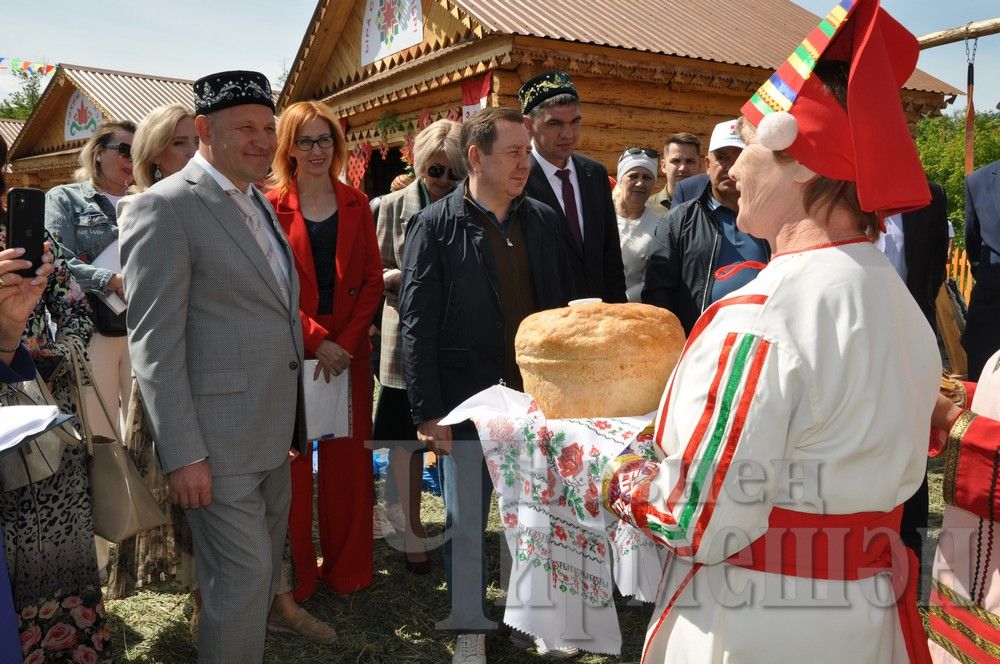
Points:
[644,69]
[46,149]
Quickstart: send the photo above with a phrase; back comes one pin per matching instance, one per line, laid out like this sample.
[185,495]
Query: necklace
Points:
[851,239]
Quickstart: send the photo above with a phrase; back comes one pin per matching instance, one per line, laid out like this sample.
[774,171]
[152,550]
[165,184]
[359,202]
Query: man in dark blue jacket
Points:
[690,189]
[699,255]
[982,240]
[475,264]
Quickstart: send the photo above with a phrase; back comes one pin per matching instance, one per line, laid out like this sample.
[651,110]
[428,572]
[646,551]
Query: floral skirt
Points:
[49,538]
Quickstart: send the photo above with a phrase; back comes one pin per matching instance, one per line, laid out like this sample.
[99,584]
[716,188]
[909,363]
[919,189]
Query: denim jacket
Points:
[84,223]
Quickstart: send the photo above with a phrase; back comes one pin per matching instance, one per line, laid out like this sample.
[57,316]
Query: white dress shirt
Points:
[890,243]
[550,174]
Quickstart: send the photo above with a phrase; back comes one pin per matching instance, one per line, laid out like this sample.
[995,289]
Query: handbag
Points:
[121,504]
[39,459]
[105,319]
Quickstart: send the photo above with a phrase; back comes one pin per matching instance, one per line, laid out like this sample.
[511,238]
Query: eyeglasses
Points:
[306,144]
[124,149]
[649,152]
[437,170]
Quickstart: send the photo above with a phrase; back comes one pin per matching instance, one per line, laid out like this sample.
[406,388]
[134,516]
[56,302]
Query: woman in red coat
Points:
[332,234]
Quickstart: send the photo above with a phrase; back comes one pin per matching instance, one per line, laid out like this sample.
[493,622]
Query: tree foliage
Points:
[941,143]
[21,103]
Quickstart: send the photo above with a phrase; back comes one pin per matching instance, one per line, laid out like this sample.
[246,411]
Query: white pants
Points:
[112,370]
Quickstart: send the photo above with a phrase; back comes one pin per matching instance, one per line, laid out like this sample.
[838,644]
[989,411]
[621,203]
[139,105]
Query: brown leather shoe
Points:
[304,624]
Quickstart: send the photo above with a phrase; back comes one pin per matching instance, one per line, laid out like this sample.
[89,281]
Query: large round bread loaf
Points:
[598,360]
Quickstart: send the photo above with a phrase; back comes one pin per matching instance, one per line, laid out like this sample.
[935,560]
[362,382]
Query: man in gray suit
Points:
[216,346]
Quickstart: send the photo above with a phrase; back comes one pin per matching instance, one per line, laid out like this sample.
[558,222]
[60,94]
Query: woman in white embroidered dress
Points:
[802,401]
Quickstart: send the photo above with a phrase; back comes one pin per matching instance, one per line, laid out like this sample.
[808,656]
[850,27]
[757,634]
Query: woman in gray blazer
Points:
[440,166]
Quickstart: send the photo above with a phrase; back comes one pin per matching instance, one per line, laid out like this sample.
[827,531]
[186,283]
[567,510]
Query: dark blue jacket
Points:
[689,189]
[982,215]
[680,271]
[20,369]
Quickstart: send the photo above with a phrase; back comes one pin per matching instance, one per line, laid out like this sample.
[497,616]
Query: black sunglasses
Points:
[437,170]
[124,149]
[649,152]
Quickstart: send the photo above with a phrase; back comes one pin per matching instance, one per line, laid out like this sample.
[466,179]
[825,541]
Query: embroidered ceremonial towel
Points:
[566,550]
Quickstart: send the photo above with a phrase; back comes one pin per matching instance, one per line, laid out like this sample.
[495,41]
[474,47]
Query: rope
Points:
[970,107]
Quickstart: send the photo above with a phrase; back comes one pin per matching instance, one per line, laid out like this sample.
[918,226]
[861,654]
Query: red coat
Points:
[358,286]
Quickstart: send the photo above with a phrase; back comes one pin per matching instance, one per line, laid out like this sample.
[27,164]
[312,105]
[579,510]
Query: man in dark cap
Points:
[575,186]
[216,346]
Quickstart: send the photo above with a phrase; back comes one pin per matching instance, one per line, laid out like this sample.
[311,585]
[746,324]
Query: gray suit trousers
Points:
[237,575]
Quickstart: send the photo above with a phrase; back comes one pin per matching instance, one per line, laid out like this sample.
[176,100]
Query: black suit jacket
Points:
[598,270]
[925,249]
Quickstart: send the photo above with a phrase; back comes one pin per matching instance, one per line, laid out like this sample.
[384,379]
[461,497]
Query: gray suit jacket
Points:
[215,347]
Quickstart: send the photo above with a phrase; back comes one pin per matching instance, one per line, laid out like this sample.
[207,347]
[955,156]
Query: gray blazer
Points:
[216,349]
[394,211]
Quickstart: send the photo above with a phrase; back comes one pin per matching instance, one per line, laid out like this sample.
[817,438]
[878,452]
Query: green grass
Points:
[392,622]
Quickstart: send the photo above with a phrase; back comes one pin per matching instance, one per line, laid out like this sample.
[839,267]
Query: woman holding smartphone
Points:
[48,531]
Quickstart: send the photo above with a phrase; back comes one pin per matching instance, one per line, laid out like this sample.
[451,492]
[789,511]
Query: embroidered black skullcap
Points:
[545,86]
[231,88]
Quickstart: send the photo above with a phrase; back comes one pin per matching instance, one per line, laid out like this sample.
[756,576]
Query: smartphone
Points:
[26,225]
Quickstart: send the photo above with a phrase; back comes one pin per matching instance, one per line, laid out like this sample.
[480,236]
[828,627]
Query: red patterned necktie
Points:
[569,206]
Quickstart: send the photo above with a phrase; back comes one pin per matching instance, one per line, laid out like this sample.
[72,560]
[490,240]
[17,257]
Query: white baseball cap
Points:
[726,135]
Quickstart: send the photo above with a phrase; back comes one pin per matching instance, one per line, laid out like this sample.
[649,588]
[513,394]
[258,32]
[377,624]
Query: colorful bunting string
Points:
[16,64]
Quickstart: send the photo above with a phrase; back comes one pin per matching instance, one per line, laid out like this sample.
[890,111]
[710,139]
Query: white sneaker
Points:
[554,653]
[470,649]
[525,642]
[381,527]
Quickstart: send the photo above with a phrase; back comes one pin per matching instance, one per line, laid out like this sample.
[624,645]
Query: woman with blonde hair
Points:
[330,228]
[81,217]
[439,166]
[164,143]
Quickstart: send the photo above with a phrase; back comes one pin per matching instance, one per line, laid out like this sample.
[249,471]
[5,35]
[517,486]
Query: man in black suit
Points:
[916,243]
[925,251]
[575,186]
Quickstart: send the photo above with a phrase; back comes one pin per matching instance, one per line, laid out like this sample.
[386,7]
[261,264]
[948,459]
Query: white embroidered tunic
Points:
[809,389]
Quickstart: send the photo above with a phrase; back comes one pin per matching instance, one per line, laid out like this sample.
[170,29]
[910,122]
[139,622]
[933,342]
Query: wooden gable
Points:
[44,131]
[329,58]
[41,156]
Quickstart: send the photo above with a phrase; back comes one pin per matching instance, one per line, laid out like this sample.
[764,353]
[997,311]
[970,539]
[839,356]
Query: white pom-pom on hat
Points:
[777,131]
